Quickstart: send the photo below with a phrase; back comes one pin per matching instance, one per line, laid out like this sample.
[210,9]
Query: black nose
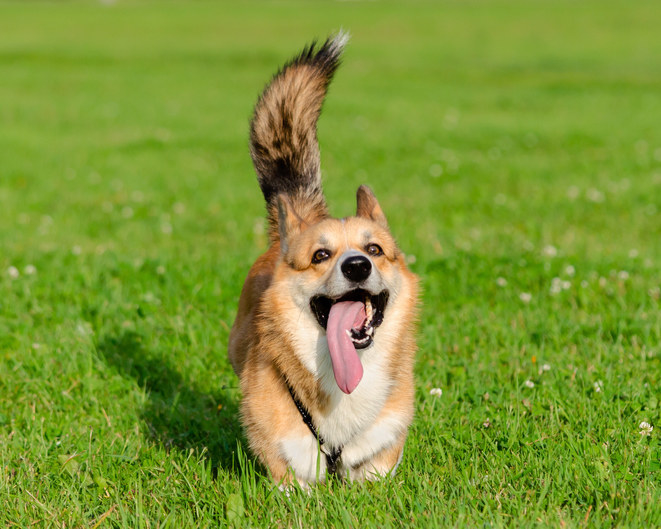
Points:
[356,268]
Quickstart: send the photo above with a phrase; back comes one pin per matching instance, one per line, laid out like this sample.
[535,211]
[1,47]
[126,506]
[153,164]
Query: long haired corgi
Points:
[323,341]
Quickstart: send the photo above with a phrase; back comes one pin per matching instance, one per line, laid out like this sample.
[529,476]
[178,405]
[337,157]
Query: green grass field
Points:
[516,149]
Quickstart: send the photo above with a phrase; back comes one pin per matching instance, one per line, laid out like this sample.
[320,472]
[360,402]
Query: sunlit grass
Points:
[516,150]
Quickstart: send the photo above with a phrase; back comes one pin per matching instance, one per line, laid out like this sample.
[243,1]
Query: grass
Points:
[510,143]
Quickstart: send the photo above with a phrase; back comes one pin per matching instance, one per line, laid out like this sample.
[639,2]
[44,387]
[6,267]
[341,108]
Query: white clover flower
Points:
[549,251]
[529,384]
[258,227]
[633,253]
[594,195]
[30,270]
[84,329]
[566,285]
[584,284]
[570,270]
[149,297]
[645,428]
[501,281]
[556,286]
[13,272]
[160,270]
[546,367]
[598,386]
[623,275]
[436,392]
[435,170]
[526,297]
[76,250]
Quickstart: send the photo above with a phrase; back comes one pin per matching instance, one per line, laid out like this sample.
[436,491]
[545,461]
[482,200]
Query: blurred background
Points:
[485,124]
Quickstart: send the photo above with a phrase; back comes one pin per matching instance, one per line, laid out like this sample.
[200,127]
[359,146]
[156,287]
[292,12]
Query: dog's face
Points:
[351,259]
[345,273]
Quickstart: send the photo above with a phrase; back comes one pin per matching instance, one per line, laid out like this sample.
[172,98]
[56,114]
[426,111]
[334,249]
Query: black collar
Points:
[331,457]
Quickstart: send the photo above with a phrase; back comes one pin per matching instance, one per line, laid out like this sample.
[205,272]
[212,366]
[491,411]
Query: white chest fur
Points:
[353,422]
[347,415]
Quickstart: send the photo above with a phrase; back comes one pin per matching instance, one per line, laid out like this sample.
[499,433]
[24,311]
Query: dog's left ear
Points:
[290,223]
[368,206]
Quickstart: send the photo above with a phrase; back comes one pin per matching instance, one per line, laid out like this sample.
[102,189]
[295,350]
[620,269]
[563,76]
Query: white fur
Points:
[303,456]
[373,472]
[308,463]
[380,435]
[349,414]
[350,421]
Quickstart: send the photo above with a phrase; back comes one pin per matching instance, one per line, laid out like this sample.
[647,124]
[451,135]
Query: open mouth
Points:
[349,321]
[374,306]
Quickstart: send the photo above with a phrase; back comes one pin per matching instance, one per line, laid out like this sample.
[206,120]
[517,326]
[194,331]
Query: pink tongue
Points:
[343,317]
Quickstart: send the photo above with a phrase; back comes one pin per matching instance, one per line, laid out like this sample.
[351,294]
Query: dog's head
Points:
[345,272]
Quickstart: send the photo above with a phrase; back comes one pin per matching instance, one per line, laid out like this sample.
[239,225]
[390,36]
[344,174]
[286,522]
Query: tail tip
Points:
[327,54]
[337,42]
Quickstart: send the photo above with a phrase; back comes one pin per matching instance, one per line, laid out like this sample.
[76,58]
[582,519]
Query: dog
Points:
[324,338]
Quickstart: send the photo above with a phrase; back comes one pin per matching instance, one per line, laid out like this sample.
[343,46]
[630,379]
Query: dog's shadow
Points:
[177,413]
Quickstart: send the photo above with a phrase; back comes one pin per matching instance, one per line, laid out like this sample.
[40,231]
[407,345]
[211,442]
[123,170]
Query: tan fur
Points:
[263,356]
[276,340]
[283,132]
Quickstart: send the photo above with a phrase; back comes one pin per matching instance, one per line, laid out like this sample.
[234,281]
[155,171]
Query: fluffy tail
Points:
[283,132]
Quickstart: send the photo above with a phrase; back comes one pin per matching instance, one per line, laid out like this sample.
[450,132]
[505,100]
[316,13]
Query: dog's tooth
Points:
[370,331]
[368,310]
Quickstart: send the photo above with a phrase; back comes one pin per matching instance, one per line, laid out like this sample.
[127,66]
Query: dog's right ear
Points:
[367,206]
[290,223]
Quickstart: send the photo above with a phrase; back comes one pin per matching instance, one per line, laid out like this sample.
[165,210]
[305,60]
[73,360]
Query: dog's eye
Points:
[321,255]
[374,250]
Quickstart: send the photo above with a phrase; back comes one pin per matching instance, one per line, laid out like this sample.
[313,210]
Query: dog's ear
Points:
[367,206]
[290,223]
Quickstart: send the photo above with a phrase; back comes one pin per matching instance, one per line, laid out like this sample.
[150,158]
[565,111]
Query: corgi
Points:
[324,338]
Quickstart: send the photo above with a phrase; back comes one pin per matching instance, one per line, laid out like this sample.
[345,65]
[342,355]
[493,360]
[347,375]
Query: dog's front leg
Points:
[378,451]
[305,461]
